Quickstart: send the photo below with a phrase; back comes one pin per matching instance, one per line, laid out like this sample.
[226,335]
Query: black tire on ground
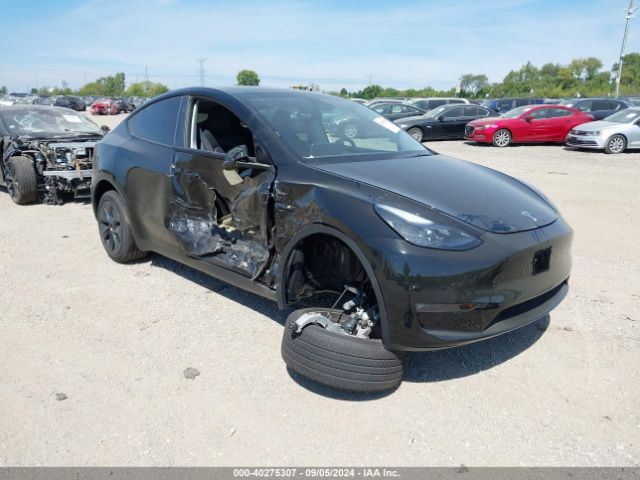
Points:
[115,229]
[23,183]
[615,144]
[416,133]
[502,138]
[340,361]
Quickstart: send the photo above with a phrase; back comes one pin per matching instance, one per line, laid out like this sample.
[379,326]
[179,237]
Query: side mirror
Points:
[440,118]
[528,119]
[105,129]
[238,157]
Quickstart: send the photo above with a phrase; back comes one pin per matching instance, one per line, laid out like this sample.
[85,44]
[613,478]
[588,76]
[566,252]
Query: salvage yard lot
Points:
[115,340]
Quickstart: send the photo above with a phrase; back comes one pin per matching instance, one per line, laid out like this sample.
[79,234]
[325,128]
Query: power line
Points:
[201,70]
[631,14]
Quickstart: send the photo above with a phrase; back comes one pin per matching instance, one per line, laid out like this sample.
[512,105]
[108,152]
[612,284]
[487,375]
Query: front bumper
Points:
[481,135]
[596,142]
[439,299]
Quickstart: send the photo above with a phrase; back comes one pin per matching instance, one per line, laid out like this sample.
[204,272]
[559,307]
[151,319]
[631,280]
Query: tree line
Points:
[581,77]
[115,86]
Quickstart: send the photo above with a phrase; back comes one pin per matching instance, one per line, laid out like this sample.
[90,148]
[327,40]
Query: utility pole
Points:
[201,70]
[631,14]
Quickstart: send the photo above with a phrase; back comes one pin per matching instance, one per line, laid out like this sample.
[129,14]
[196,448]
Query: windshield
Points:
[39,122]
[624,116]
[317,126]
[516,112]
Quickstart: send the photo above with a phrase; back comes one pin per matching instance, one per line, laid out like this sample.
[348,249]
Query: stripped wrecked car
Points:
[46,153]
[391,246]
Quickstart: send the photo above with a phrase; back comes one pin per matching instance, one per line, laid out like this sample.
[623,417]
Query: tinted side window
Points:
[422,104]
[539,114]
[453,112]
[483,111]
[436,103]
[157,122]
[521,102]
[616,105]
[470,111]
[505,105]
[601,105]
[454,100]
[413,110]
[559,112]
[584,106]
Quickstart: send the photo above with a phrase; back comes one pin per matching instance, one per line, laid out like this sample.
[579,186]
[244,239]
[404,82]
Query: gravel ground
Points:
[96,355]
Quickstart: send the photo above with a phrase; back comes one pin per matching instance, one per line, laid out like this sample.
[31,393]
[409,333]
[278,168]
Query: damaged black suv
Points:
[46,153]
[394,247]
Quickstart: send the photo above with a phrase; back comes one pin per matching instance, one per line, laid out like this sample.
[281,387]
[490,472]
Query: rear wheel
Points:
[21,180]
[502,138]
[416,133]
[115,229]
[615,144]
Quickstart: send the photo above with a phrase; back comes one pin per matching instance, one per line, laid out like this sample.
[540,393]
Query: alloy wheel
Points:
[416,133]
[350,130]
[616,145]
[110,227]
[502,138]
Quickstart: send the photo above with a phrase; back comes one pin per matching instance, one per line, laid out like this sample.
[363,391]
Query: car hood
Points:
[488,121]
[476,195]
[598,125]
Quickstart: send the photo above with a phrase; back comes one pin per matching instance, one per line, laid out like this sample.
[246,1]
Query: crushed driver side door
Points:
[220,216]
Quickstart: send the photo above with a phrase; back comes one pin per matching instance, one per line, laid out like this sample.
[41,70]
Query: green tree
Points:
[248,77]
[473,85]
[3,90]
[111,86]
[343,92]
[585,69]
[630,81]
[371,91]
[145,89]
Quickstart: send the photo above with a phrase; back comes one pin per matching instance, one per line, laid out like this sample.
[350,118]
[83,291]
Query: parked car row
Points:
[117,104]
[390,246]
[532,120]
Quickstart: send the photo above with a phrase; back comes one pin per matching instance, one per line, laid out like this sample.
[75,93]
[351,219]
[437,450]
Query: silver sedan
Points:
[614,134]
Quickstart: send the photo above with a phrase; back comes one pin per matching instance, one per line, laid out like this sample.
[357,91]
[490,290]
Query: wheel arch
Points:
[319,228]
[619,134]
[513,139]
[101,187]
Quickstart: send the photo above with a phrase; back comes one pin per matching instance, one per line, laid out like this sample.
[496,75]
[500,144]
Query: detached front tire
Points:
[21,180]
[340,361]
[115,229]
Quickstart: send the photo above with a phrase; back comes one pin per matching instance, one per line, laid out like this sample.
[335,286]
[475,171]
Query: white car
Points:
[614,134]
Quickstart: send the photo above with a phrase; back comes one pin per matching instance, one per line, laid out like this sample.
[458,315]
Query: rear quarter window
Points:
[156,122]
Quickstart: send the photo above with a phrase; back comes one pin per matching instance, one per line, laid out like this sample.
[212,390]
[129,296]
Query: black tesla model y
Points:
[389,246]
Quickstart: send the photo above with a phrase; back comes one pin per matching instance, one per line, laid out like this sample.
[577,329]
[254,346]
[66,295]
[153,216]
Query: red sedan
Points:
[531,123]
[104,106]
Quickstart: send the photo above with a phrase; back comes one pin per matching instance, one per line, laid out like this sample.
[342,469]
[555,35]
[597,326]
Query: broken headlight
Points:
[423,232]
